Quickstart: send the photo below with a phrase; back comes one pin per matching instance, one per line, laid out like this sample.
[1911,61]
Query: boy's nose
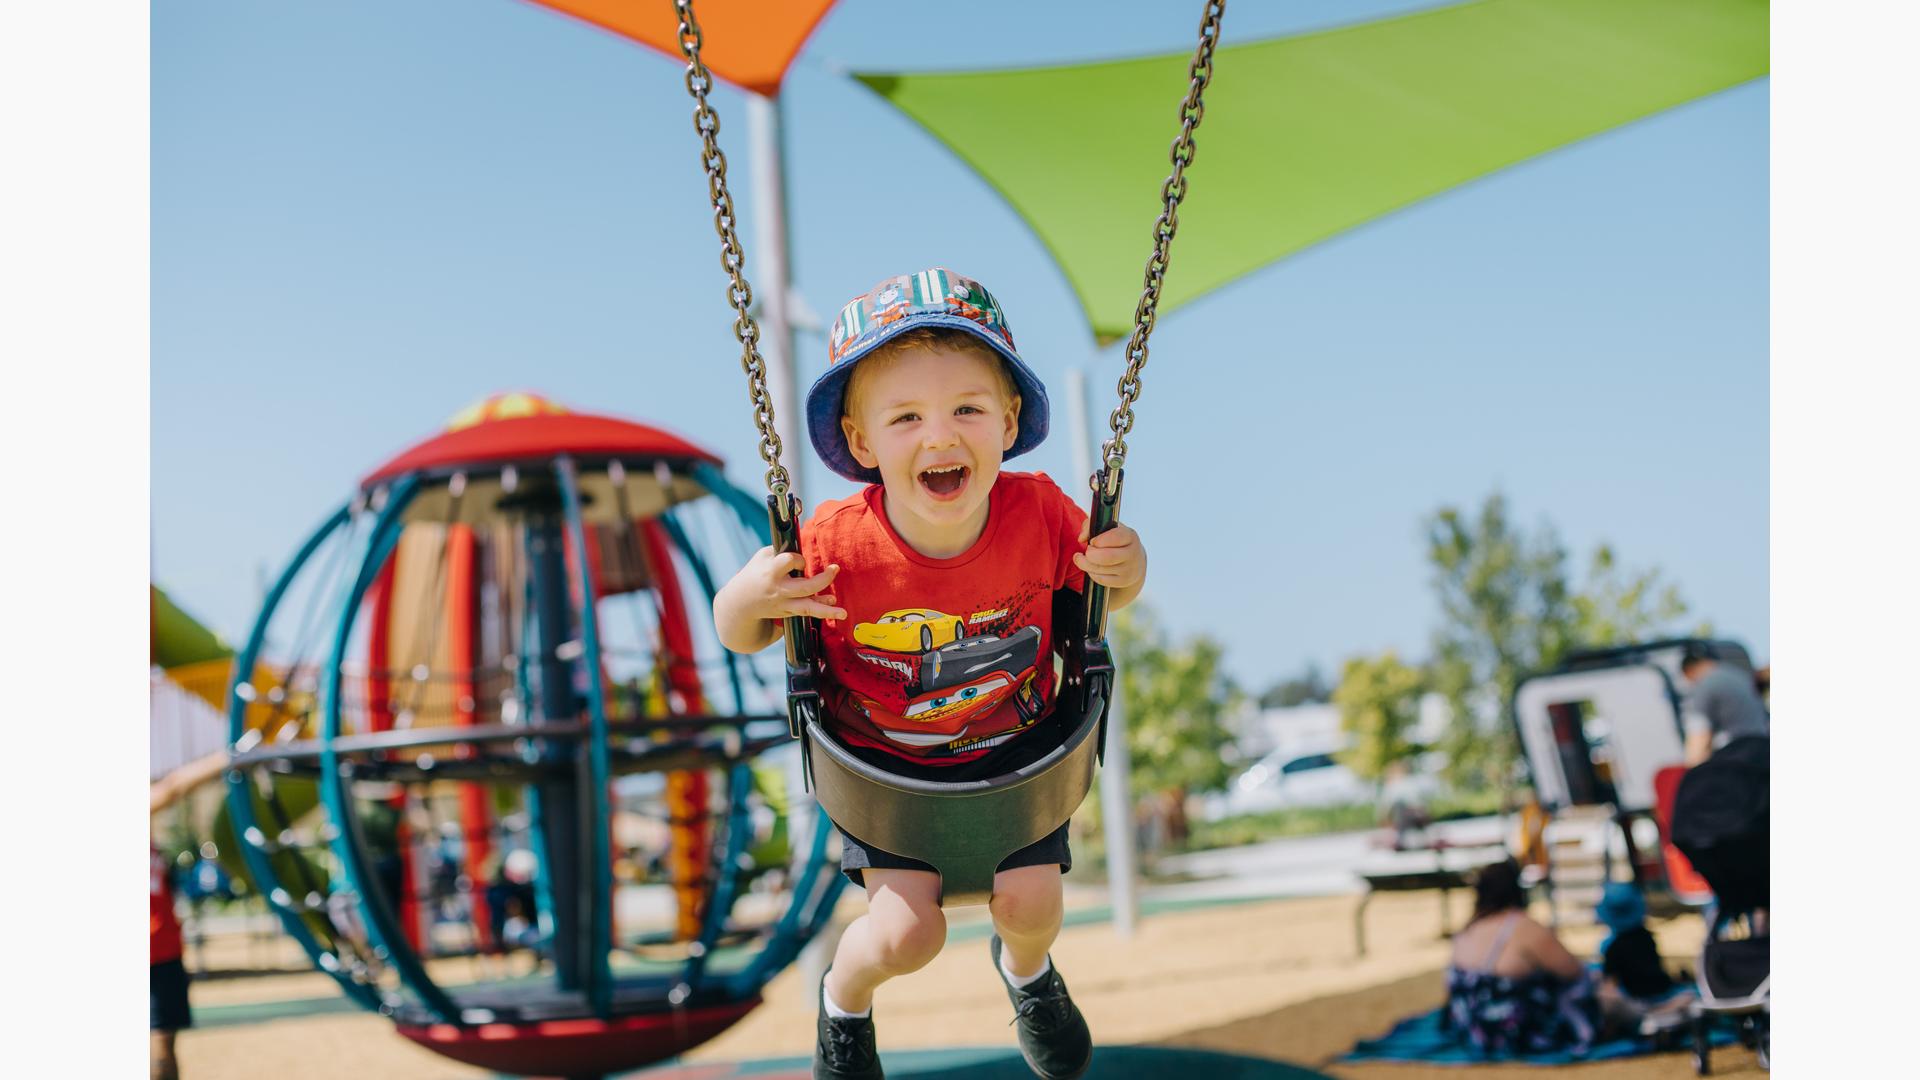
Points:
[938,436]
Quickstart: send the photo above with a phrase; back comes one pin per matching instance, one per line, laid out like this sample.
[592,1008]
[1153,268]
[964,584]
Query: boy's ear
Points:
[1012,434]
[857,444]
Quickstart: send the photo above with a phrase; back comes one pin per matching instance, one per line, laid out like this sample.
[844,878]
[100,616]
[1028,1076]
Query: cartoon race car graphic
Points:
[970,658]
[961,703]
[947,713]
[910,630]
[950,712]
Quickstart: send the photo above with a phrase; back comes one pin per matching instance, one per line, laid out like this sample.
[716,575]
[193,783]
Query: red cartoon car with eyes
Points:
[945,713]
[960,703]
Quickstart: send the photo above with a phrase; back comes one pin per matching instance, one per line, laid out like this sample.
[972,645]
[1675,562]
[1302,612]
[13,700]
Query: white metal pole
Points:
[771,271]
[1116,774]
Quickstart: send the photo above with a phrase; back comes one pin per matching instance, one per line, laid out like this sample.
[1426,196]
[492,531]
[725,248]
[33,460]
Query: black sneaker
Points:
[1053,1035]
[843,1048]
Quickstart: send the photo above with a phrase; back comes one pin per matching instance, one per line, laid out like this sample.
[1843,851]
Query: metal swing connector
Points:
[802,633]
[1102,515]
[1089,665]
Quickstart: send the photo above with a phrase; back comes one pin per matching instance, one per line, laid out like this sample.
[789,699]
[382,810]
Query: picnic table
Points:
[1437,865]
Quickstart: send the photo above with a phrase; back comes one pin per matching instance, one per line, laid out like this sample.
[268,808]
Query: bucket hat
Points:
[935,297]
[1621,907]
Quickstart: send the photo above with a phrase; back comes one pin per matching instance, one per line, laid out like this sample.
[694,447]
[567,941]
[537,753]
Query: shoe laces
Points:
[1046,1008]
[846,1050]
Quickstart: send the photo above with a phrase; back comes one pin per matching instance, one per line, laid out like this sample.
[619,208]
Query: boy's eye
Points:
[903,417]
[966,409]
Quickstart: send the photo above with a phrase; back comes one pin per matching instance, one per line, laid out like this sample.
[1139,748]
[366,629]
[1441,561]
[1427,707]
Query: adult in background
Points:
[1512,987]
[1719,705]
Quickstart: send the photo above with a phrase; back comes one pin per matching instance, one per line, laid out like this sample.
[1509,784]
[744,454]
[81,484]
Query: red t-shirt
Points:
[941,660]
[163,929]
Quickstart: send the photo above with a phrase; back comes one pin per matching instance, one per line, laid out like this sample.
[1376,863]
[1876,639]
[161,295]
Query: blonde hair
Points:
[929,339]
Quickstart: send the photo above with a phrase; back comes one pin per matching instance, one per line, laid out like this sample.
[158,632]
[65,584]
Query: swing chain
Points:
[745,328]
[1199,74]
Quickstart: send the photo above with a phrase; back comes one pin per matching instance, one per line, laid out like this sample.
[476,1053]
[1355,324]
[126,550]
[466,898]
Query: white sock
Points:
[1021,981]
[839,1013]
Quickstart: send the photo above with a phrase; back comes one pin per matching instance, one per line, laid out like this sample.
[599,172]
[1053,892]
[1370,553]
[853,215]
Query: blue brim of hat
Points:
[825,400]
[1620,909]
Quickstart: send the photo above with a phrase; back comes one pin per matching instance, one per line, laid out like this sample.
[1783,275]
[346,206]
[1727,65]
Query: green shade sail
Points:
[177,638]
[1308,136]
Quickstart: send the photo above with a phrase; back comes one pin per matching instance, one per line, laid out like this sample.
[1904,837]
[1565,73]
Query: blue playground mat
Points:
[1109,1063]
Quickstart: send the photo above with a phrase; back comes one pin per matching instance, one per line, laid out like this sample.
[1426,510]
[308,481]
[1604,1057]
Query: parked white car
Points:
[1292,777]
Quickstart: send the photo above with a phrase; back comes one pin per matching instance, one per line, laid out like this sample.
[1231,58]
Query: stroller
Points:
[1720,825]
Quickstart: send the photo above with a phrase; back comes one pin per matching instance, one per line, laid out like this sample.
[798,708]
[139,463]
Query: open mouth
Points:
[945,481]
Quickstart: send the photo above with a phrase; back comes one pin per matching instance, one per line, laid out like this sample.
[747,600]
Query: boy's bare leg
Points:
[1027,909]
[902,931]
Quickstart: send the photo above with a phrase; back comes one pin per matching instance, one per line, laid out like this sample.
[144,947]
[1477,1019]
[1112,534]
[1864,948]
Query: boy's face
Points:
[935,423]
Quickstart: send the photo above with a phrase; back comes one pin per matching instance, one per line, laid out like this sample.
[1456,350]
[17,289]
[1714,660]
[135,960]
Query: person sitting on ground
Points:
[1719,706]
[1512,988]
[1637,984]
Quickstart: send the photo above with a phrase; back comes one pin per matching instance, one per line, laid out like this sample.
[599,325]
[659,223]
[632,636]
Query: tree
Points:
[1379,701]
[1620,607]
[1308,686]
[1177,699]
[1506,610]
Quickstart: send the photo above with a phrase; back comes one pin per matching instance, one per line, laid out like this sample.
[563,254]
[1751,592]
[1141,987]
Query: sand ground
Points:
[1274,979]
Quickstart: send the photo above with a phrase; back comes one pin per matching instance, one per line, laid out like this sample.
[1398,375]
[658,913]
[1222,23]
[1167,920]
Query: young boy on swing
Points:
[938,630]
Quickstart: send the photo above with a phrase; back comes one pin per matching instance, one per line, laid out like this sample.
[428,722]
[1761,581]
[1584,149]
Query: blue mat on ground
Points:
[1109,1063]
[1422,1039]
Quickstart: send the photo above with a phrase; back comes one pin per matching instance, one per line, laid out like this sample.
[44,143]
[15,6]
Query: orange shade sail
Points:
[749,43]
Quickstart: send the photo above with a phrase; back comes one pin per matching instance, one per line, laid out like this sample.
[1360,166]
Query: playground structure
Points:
[1603,745]
[490,644]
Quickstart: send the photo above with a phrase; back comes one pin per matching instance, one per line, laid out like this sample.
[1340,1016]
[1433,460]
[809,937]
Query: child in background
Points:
[1637,983]
[168,1010]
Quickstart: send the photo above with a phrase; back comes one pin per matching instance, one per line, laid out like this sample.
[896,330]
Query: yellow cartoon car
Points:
[910,630]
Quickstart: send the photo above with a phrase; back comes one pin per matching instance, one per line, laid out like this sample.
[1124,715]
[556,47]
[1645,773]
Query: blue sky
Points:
[366,215]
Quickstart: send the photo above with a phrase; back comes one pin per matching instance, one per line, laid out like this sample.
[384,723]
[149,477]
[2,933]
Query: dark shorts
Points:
[168,996]
[857,855]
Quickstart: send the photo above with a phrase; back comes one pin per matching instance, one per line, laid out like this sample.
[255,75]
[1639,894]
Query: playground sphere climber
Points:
[936,586]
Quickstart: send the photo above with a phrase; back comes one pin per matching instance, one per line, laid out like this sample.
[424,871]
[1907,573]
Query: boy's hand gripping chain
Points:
[802,632]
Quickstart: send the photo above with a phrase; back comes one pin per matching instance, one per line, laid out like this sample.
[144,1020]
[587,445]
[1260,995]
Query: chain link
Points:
[746,329]
[1199,73]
